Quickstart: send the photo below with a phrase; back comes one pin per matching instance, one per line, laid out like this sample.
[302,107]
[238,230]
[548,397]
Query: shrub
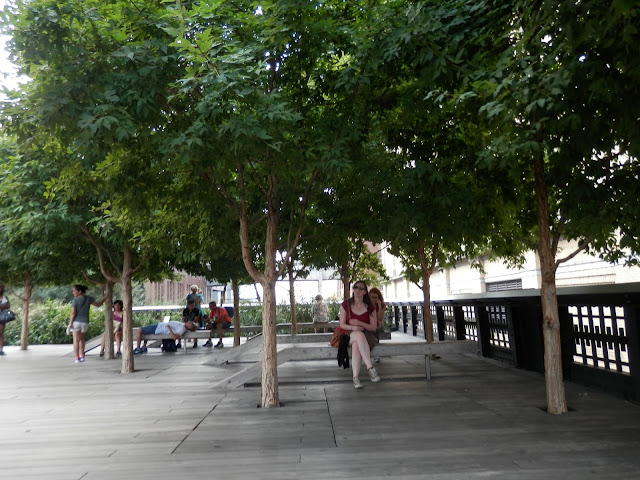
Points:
[48,324]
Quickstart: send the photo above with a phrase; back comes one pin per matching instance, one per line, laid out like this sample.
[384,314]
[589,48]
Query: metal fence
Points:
[599,331]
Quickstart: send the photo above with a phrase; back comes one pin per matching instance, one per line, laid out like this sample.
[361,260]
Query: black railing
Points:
[599,331]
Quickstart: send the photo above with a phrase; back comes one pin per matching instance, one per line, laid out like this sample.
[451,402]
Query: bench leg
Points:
[427,366]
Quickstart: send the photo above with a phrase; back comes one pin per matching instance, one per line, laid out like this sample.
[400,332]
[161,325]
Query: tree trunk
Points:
[426,307]
[127,314]
[108,321]
[269,347]
[267,278]
[426,269]
[26,300]
[236,309]
[346,281]
[292,299]
[556,399]
[270,396]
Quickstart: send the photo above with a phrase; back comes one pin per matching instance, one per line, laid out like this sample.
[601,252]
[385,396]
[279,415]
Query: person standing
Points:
[79,319]
[4,305]
[358,320]
[197,298]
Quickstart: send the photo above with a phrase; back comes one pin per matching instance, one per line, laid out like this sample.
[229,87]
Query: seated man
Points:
[196,296]
[218,318]
[175,329]
[191,314]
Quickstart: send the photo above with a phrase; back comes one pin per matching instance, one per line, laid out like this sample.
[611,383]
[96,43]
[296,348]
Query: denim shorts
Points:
[149,329]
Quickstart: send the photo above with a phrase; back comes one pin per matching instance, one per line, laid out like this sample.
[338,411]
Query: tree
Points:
[559,148]
[560,91]
[91,91]
[37,238]
[269,111]
[432,209]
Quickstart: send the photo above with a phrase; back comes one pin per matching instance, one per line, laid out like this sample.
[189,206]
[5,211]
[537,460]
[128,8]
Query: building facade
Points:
[462,279]
[174,292]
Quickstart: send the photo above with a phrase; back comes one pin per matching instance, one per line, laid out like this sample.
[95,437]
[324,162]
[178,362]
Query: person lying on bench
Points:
[175,329]
[218,318]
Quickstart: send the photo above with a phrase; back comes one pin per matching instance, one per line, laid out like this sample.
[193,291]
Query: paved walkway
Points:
[475,420]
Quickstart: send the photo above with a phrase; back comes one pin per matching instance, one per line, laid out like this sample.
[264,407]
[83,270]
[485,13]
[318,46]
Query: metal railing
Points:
[600,336]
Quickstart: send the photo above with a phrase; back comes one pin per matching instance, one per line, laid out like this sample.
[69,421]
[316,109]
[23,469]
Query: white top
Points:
[177,327]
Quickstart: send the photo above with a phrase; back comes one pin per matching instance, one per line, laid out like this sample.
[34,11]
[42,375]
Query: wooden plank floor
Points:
[476,419]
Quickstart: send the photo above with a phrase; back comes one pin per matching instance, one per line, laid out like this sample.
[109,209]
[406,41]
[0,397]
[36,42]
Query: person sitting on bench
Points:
[191,314]
[175,329]
[218,318]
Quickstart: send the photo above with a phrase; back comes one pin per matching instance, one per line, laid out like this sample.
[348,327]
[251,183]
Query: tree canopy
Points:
[447,128]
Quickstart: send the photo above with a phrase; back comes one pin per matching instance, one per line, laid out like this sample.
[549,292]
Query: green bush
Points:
[48,321]
[48,324]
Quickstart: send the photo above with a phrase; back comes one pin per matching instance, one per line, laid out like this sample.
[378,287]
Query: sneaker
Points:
[137,351]
[373,375]
[81,359]
[356,383]
[208,344]
[77,360]
[102,354]
[143,350]
[219,345]
[118,354]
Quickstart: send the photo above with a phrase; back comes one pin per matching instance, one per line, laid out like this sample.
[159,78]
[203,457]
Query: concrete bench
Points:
[311,351]
[209,334]
[204,334]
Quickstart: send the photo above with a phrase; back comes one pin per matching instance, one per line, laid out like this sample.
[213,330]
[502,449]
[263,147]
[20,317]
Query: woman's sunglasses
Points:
[358,287]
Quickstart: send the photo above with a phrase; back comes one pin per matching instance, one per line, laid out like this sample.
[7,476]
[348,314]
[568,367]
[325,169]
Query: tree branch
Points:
[582,246]
[556,236]
[303,210]
[94,242]
[245,244]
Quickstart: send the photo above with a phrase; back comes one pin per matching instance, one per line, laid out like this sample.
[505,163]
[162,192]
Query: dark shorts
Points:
[149,329]
[225,325]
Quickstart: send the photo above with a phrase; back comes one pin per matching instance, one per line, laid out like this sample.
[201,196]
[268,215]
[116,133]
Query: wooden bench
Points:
[310,351]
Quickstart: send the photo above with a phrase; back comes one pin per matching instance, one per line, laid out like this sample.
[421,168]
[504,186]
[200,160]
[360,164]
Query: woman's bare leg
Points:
[363,348]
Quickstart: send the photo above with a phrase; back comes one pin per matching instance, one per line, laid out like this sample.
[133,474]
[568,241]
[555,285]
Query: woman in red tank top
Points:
[358,315]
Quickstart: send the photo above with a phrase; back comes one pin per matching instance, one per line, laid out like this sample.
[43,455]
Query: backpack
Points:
[169,345]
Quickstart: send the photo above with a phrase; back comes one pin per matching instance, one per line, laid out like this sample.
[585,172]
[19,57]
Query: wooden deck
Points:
[476,419]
